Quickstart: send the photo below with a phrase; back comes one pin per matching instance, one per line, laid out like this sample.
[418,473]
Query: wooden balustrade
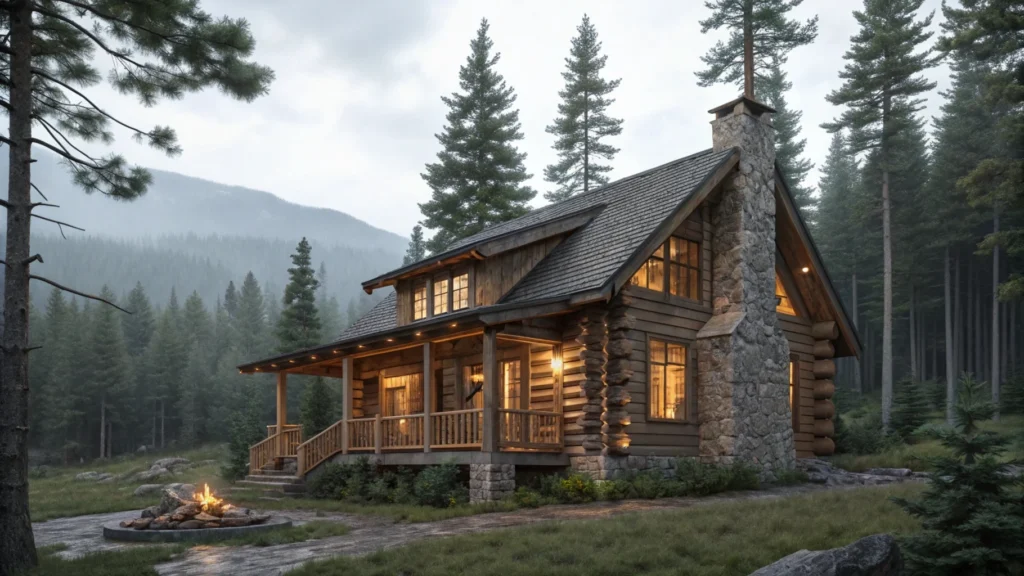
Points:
[401,432]
[272,428]
[262,454]
[361,435]
[292,439]
[320,447]
[458,429]
[529,429]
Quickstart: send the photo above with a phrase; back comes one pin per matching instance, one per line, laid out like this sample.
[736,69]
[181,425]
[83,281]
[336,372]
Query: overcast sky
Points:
[350,121]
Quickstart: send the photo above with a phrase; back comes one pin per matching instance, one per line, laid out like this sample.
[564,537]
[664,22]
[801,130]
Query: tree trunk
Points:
[979,334]
[913,338]
[17,545]
[995,317]
[103,426]
[935,349]
[586,143]
[163,423]
[950,354]
[1013,338]
[886,302]
[858,384]
[958,322]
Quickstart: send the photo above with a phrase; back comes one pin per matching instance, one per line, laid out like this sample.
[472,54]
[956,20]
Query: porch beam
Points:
[490,366]
[530,334]
[346,400]
[282,410]
[428,392]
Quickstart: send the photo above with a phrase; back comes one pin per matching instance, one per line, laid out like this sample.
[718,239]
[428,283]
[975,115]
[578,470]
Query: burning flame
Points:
[208,501]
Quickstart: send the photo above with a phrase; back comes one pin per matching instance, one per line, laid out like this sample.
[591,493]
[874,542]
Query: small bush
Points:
[743,476]
[649,485]
[524,497]
[791,477]
[618,489]
[696,478]
[863,436]
[330,482]
[1012,394]
[575,488]
[439,486]
[910,407]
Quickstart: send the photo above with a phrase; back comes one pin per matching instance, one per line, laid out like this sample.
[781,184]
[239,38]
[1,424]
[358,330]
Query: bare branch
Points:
[7,141]
[58,223]
[40,192]
[35,258]
[44,204]
[76,292]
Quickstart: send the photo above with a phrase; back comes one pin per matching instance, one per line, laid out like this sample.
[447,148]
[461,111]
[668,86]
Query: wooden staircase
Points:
[272,482]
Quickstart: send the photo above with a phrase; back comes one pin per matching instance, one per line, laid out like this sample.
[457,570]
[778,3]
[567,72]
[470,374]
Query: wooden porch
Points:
[483,391]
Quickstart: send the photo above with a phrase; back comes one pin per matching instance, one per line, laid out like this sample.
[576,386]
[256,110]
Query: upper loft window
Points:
[460,291]
[419,301]
[681,259]
[440,296]
[783,303]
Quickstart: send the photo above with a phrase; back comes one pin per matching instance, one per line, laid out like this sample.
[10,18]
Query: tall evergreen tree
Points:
[69,356]
[168,356]
[317,408]
[140,324]
[50,52]
[417,249]
[107,370]
[299,325]
[328,308]
[231,300]
[583,123]
[252,320]
[881,92]
[479,178]
[774,36]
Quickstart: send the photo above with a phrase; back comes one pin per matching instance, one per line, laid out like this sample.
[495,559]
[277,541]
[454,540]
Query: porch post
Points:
[428,392]
[490,366]
[282,410]
[346,400]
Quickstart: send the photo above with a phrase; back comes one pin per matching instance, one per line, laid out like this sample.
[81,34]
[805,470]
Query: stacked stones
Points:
[824,334]
[592,337]
[491,482]
[743,356]
[178,510]
[617,375]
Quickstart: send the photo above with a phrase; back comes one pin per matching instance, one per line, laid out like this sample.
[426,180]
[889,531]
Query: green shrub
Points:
[572,489]
[936,392]
[700,479]
[743,476]
[649,485]
[972,514]
[618,489]
[791,477]
[330,482]
[439,486]
[910,407]
[524,497]
[1012,394]
[863,436]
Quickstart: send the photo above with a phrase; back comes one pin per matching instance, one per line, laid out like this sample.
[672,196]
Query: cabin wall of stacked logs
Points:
[824,370]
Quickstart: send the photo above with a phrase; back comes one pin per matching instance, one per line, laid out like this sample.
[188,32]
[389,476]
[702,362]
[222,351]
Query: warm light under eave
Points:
[805,269]
[556,363]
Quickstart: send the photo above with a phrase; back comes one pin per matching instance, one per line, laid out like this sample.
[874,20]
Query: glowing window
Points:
[652,274]
[472,384]
[440,296]
[794,391]
[667,380]
[460,291]
[419,301]
[403,395]
[783,303]
[684,268]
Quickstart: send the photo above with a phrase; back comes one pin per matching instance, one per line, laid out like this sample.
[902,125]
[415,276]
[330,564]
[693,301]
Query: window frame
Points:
[469,289]
[416,286]
[666,265]
[446,296]
[412,381]
[794,391]
[689,388]
[430,280]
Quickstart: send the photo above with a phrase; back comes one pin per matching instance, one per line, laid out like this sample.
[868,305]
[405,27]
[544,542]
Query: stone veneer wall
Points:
[490,482]
[742,354]
[611,467]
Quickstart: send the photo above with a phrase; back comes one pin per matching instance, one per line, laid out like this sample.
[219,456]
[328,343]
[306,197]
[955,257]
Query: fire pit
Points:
[185,515]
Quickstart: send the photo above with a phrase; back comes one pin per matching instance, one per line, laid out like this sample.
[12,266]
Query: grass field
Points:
[715,540]
[917,456]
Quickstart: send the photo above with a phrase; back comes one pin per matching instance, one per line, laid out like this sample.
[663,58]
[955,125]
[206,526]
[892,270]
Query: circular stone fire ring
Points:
[113,531]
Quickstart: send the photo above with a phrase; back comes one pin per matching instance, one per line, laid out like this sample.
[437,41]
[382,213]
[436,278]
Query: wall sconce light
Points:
[454,324]
[291,361]
[257,369]
[312,357]
[362,346]
[556,363]
[273,365]
[419,333]
[391,339]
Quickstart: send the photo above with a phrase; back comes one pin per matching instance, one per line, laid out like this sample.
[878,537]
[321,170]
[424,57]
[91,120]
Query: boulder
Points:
[142,523]
[876,555]
[176,495]
[897,472]
[204,517]
[153,473]
[236,513]
[147,489]
[169,463]
[159,523]
[93,476]
[189,510]
[151,512]
[190,525]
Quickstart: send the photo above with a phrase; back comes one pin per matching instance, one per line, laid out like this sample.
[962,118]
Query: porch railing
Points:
[362,435]
[275,446]
[458,429]
[320,447]
[272,428]
[401,432]
[529,429]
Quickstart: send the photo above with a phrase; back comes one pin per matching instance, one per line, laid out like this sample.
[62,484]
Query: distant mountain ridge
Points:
[180,205]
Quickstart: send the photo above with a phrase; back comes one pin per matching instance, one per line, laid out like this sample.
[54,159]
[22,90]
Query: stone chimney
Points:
[742,354]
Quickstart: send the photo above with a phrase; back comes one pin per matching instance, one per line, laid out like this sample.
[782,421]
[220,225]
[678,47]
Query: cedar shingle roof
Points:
[633,207]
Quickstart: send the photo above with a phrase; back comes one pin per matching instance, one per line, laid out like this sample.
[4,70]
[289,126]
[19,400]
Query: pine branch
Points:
[66,155]
[59,223]
[36,188]
[75,292]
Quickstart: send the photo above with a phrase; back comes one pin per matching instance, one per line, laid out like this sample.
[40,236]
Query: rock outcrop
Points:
[876,555]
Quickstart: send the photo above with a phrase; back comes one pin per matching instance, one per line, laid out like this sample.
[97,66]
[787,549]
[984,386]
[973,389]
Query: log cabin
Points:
[679,312]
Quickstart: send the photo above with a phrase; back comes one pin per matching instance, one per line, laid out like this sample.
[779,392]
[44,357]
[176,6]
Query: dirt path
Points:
[82,534]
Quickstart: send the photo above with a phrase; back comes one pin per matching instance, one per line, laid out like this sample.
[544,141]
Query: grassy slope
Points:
[915,456]
[720,539]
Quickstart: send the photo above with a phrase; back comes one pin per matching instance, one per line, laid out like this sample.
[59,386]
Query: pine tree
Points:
[299,325]
[774,35]
[139,325]
[191,405]
[195,321]
[252,320]
[168,357]
[972,514]
[417,249]
[479,178]
[45,390]
[881,92]
[231,300]
[107,369]
[317,408]
[327,307]
[582,123]
[69,353]
[246,430]
[789,147]
[50,53]
[910,407]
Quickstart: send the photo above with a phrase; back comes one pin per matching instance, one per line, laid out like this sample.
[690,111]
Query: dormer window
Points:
[440,296]
[681,259]
[419,301]
[460,291]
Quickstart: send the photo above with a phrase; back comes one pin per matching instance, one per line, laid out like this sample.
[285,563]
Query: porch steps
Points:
[274,483]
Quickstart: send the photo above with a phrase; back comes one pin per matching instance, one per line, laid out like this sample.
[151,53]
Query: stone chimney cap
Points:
[753,106]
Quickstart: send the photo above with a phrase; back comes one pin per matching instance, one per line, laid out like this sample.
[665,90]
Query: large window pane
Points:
[403,395]
[419,301]
[510,384]
[440,296]
[667,380]
[460,292]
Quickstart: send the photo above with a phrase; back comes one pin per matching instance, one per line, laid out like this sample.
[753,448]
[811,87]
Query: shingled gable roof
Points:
[633,208]
[629,213]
